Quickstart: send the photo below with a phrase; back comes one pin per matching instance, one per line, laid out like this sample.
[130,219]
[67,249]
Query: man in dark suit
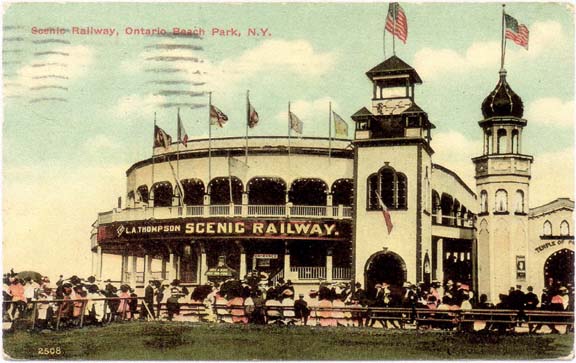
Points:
[147,308]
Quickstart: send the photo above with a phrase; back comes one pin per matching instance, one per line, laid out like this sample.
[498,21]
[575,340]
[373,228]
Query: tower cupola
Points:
[503,101]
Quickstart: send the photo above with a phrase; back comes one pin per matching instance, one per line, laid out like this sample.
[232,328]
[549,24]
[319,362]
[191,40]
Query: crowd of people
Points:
[75,301]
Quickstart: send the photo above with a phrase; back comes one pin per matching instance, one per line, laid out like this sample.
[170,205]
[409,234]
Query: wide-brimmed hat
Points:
[407,284]
[288,292]
[378,286]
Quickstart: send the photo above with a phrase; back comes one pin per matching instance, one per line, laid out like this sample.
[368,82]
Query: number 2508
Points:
[50,351]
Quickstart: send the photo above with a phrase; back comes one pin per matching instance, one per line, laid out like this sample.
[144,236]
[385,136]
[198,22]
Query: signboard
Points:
[521,268]
[223,228]
[270,256]
[553,243]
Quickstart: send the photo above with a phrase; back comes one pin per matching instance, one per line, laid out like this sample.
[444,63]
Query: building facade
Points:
[309,210]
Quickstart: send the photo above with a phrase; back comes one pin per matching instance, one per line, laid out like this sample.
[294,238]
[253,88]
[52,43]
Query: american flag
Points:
[396,22]
[518,33]
[217,117]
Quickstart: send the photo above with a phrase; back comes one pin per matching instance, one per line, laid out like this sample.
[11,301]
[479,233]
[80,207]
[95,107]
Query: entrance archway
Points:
[384,267]
[559,268]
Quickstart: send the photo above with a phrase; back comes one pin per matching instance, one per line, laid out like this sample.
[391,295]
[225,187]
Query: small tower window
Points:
[392,186]
[564,228]
[515,142]
[488,142]
[501,201]
[547,229]
[519,202]
[501,141]
[483,202]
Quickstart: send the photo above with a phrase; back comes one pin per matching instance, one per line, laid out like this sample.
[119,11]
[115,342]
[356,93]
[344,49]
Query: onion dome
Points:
[502,101]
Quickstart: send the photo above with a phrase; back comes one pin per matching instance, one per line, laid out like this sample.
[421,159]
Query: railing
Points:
[309,272]
[266,210]
[275,278]
[341,273]
[139,277]
[77,312]
[452,221]
[308,210]
[226,210]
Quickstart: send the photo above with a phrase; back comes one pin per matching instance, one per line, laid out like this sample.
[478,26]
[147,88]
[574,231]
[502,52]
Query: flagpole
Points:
[503,53]
[178,159]
[329,130]
[289,131]
[384,40]
[153,145]
[209,138]
[230,182]
[394,10]
[247,121]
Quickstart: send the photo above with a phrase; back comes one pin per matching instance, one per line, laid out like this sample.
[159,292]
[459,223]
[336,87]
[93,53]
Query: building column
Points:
[202,278]
[171,268]
[124,268]
[329,264]
[164,277]
[99,260]
[242,262]
[133,269]
[330,210]
[440,260]
[287,272]
[244,204]
[147,269]
[206,205]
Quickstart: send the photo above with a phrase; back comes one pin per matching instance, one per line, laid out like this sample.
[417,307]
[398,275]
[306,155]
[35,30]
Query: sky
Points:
[78,110]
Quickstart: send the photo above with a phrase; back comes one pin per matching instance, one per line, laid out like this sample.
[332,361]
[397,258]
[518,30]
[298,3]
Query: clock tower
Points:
[392,160]
[502,183]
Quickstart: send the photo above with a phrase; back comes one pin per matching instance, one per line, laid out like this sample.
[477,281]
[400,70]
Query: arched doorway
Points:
[384,267]
[559,268]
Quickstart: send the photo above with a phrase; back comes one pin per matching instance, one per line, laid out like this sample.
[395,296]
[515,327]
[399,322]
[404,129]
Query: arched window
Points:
[266,191]
[193,191]
[488,142]
[163,194]
[401,195]
[308,191]
[392,186]
[564,228]
[446,204]
[547,229]
[142,193]
[219,190]
[435,202]
[343,192]
[387,186]
[483,202]
[501,141]
[519,202]
[372,187]
[501,201]
[515,141]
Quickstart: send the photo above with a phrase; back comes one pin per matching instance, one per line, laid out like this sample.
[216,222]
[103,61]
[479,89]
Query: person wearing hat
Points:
[288,306]
[358,301]
[123,309]
[301,311]
[147,308]
[531,302]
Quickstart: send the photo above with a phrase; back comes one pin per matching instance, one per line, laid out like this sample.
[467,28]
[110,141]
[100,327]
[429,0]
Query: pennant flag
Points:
[161,138]
[340,126]
[217,117]
[396,22]
[182,135]
[386,213]
[518,33]
[237,168]
[253,117]
[295,123]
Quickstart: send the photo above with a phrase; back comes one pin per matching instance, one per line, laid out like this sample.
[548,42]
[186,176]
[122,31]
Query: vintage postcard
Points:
[288,181]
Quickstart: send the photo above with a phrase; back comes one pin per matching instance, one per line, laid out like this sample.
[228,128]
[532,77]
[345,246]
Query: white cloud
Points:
[455,151]
[551,111]
[73,66]
[434,63]
[296,57]
[100,143]
[552,176]
[137,105]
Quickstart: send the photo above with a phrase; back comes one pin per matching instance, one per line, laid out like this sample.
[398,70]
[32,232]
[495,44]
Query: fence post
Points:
[34,311]
[82,309]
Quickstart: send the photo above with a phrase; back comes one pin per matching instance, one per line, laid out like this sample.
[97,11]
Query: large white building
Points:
[307,209]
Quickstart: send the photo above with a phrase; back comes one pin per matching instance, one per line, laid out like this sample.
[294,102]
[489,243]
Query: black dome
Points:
[503,101]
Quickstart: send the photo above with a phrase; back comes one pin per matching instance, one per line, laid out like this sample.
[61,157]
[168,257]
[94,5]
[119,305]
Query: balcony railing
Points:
[452,221]
[226,210]
[309,272]
[341,273]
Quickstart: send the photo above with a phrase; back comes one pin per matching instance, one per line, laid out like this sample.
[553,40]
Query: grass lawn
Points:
[185,341]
